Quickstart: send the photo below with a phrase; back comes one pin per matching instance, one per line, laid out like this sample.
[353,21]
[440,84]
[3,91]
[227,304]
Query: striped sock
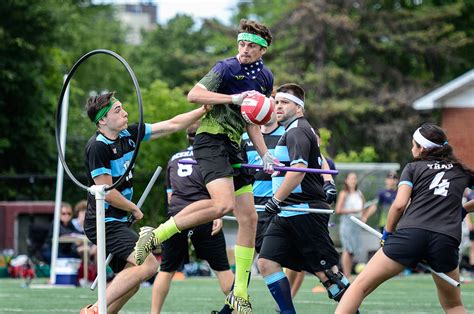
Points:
[279,287]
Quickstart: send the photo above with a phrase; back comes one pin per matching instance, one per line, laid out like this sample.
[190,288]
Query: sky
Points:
[221,9]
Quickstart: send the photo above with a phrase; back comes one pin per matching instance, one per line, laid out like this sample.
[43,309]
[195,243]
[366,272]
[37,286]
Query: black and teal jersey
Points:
[436,197]
[112,157]
[230,77]
[300,144]
[262,186]
[184,182]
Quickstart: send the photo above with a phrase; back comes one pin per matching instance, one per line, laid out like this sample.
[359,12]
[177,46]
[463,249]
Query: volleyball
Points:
[257,109]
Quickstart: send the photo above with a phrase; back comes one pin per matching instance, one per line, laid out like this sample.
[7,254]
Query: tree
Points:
[175,53]
[29,61]
[40,41]
[363,63]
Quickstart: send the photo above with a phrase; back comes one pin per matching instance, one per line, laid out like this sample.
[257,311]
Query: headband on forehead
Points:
[291,97]
[252,38]
[423,141]
[102,112]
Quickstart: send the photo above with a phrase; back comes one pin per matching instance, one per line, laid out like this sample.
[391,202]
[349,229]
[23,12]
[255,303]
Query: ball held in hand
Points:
[257,109]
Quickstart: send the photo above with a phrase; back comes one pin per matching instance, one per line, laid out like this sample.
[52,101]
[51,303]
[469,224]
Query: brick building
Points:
[456,102]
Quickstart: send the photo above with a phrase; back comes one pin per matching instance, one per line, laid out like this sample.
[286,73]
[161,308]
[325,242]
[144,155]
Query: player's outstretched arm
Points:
[177,123]
[116,199]
[199,94]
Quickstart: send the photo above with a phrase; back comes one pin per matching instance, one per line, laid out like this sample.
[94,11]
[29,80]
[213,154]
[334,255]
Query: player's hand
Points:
[137,214]
[330,190]
[207,108]
[273,206]
[238,99]
[269,163]
[384,237]
[216,226]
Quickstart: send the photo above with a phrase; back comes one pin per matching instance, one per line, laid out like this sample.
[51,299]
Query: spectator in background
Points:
[350,202]
[78,223]
[385,199]
[79,215]
[65,227]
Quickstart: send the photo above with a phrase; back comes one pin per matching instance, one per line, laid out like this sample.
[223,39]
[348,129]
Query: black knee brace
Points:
[336,284]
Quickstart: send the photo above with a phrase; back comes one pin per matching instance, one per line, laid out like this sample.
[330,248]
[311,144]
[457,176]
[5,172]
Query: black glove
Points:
[273,206]
[330,190]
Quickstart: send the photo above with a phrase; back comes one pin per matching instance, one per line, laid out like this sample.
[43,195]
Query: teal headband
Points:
[102,112]
[252,38]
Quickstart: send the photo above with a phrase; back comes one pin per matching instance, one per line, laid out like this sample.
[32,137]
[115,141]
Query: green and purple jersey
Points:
[230,77]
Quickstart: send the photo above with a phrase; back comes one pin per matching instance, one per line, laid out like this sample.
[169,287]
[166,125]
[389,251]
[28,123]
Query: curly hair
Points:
[252,27]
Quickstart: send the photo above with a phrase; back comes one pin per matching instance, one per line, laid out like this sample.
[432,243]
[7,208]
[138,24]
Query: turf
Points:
[412,294]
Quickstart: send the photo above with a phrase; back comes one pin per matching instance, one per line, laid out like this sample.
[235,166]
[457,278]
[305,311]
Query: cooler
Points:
[67,271]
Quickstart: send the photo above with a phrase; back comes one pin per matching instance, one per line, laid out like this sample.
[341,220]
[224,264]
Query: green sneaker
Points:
[239,304]
[147,242]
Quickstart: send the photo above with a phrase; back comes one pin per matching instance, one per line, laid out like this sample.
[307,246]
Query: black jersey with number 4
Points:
[185,182]
[437,190]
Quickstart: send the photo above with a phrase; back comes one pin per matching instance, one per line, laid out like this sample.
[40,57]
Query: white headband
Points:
[423,141]
[293,98]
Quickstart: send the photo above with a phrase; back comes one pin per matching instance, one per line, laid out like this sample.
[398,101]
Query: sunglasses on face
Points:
[69,214]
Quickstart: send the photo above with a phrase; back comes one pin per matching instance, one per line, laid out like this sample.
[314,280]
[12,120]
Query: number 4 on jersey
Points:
[440,187]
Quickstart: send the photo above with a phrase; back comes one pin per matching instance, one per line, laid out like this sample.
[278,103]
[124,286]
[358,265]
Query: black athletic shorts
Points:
[409,246]
[471,235]
[215,153]
[120,241]
[209,248]
[262,225]
[300,242]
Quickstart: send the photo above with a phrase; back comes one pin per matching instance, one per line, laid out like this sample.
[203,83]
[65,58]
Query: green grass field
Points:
[412,294]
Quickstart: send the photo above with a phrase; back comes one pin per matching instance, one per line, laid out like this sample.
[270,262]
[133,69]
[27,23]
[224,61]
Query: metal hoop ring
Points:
[60,104]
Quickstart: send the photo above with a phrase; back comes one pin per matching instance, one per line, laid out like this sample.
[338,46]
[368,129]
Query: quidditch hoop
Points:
[60,104]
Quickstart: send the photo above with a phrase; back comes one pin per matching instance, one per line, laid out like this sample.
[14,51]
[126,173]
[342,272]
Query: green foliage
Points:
[324,136]
[40,40]
[161,103]
[361,63]
[175,53]
[367,154]
[28,63]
